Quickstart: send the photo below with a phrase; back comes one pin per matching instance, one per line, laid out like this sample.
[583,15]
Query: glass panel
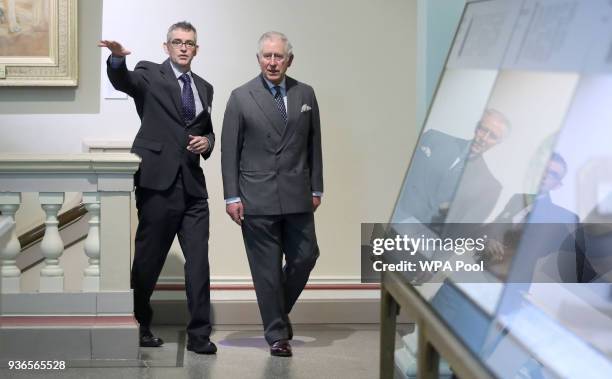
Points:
[517,147]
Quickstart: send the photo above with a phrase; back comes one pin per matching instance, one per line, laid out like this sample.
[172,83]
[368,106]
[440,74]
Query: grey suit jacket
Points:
[439,174]
[476,194]
[273,168]
[430,180]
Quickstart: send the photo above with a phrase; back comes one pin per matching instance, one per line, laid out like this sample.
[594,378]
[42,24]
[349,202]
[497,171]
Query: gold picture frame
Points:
[38,43]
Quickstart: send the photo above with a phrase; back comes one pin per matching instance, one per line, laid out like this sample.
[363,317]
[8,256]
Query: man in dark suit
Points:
[174,107]
[273,182]
[543,227]
[445,168]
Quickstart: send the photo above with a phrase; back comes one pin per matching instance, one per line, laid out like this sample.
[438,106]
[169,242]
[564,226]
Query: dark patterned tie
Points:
[187,99]
[280,103]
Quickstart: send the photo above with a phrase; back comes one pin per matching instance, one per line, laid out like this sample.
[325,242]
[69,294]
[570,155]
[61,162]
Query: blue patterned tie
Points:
[187,99]
[280,103]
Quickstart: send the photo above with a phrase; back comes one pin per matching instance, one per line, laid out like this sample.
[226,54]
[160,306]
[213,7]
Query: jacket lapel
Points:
[294,110]
[199,83]
[174,88]
[264,100]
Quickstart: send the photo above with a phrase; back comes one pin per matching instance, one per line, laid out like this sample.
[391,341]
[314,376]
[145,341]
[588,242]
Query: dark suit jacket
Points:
[273,168]
[548,228]
[544,210]
[557,223]
[162,139]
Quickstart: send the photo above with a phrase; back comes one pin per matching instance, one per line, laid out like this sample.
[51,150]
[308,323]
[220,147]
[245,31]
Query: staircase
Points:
[93,321]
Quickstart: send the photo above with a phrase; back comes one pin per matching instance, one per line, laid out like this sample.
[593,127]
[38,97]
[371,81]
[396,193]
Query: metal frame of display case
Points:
[435,339]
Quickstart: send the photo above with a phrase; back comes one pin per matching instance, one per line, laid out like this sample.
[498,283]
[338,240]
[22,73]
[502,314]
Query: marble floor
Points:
[320,351]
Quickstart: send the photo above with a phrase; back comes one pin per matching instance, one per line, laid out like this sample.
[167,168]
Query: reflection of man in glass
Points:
[595,262]
[521,205]
[438,163]
[555,232]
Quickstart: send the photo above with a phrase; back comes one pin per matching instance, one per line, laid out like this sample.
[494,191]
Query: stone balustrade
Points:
[106,182]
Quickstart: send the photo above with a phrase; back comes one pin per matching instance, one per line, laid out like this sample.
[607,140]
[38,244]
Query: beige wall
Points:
[359,55]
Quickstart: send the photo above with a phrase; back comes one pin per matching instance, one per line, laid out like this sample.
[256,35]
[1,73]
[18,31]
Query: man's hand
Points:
[493,253]
[198,144]
[496,250]
[116,49]
[316,201]
[235,211]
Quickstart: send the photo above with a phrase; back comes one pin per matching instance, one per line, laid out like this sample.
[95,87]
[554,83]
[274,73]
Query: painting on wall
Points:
[38,43]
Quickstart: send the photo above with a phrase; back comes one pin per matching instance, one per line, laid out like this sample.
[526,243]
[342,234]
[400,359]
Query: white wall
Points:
[535,103]
[437,22]
[359,55]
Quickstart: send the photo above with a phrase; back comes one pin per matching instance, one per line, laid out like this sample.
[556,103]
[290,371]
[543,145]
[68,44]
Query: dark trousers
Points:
[161,216]
[267,239]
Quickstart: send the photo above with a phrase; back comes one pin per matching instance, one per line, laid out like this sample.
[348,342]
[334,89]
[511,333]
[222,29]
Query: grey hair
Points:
[500,116]
[271,35]
[184,25]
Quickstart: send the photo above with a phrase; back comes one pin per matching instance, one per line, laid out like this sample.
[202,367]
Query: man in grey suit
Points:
[273,182]
[445,168]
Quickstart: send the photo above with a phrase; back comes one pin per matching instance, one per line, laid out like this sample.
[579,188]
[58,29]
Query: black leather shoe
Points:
[147,339]
[281,348]
[201,345]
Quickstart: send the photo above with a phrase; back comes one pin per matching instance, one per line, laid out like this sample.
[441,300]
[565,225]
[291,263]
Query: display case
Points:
[516,152]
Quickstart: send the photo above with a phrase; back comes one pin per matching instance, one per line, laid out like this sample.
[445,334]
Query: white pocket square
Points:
[209,109]
[426,150]
[305,108]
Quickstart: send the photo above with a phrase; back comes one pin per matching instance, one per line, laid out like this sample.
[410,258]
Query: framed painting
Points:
[38,43]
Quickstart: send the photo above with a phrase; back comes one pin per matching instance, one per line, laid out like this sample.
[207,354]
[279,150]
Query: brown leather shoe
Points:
[281,348]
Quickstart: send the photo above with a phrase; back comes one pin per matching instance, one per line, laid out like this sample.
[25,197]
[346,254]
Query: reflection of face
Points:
[553,176]
[489,132]
[273,60]
[181,55]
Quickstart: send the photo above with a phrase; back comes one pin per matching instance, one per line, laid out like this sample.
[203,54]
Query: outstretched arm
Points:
[122,79]
[116,48]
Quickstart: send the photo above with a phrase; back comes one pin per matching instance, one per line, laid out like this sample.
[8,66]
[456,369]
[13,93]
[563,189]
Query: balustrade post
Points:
[52,246]
[9,244]
[91,277]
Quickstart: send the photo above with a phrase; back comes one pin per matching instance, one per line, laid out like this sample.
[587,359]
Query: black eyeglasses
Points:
[177,44]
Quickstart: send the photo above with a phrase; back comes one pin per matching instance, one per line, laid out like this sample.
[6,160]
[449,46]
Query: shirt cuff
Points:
[317,193]
[208,148]
[115,62]
[231,200]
